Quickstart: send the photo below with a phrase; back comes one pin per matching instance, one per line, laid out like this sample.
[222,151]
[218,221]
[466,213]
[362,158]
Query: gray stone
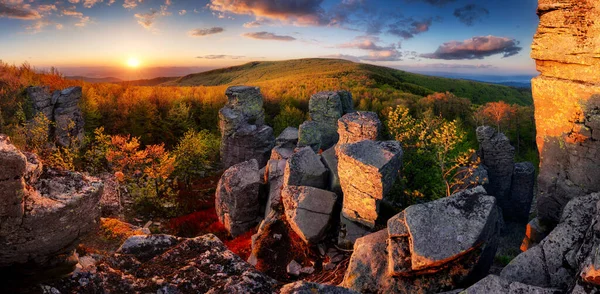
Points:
[145,247]
[496,284]
[303,287]
[305,168]
[358,126]
[350,232]
[347,103]
[329,159]
[237,199]
[498,156]
[288,138]
[281,153]
[293,268]
[308,211]
[44,220]
[41,101]
[367,270]
[325,108]
[244,135]
[309,134]
[367,171]
[521,192]
[274,172]
[460,222]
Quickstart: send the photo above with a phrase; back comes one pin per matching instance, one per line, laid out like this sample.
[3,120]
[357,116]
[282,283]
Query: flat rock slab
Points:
[288,138]
[458,224]
[304,168]
[308,211]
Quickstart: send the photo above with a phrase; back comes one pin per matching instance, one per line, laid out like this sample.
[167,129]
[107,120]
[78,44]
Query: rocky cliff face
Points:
[567,102]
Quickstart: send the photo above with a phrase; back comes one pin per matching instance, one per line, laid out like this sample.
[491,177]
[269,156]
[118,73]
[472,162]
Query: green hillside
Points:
[335,71]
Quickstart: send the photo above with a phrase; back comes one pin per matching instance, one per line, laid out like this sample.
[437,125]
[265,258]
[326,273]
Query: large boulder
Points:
[309,134]
[244,135]
[42,220]
[558,259]
[358,126]
[274,175]
[566,103]
[196,265]
[237,199]
[308,211]
[496,284]
[521,192]
[428,248]
[498,156]
[62,109]
[304,168]
[325,108]
[288,138]
[367,171]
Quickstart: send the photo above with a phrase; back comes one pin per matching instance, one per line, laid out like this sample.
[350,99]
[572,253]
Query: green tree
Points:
[289,116]
[196,153]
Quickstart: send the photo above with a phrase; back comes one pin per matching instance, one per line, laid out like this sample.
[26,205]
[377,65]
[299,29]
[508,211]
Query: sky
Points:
[100,38]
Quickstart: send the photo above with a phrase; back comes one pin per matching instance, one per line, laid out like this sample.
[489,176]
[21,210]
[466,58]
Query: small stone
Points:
[293,268]
[308,270]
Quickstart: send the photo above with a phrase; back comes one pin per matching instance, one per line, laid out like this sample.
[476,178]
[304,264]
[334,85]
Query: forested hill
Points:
[336,71]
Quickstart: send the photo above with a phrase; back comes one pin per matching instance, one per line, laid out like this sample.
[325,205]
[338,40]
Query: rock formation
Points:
[358,126]
[304,168]
[167,264]
[498,156]
[288,138]
[325,108]
[521,192]
[367,171]
[567,255]
[428,248]
[308,211]
[567,102]
[244,135]
[236,198]
[61,108]
[274,176]
[43,214]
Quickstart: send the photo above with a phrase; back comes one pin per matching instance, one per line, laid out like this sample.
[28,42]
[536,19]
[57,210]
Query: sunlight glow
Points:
[133,62]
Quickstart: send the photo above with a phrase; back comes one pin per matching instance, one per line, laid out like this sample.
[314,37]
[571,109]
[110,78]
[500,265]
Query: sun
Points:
[133,62]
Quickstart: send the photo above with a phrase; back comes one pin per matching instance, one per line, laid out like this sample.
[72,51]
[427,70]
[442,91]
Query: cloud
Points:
[221,56]
[375,52]
[470,13]
[205,32]
[268,36]
[83,20]
[476,48]
[434,2]
[90,3]
[147,19]
[409,27]
[367,43]
[130,4]
[38,26]
[45,8]
[300,12]
[461,66]
[182,12]
[17,9]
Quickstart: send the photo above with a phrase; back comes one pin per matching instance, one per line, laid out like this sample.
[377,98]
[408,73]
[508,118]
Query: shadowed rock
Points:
[236,198]
[498,156]
[244,135]
[144,247]
[329,159]
[358,126]
[288,138]
[305,168]
[42,219]
[521,192]
[274,175]
[496,284]
[303,287]
[325,108]
[308,211]
[367,171]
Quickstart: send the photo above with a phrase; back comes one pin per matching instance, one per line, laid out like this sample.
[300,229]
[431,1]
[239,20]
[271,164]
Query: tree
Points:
[498,112]
[196,152]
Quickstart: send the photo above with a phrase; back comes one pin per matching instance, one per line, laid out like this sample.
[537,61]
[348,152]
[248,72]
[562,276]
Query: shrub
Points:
[196,153]
[289,116]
